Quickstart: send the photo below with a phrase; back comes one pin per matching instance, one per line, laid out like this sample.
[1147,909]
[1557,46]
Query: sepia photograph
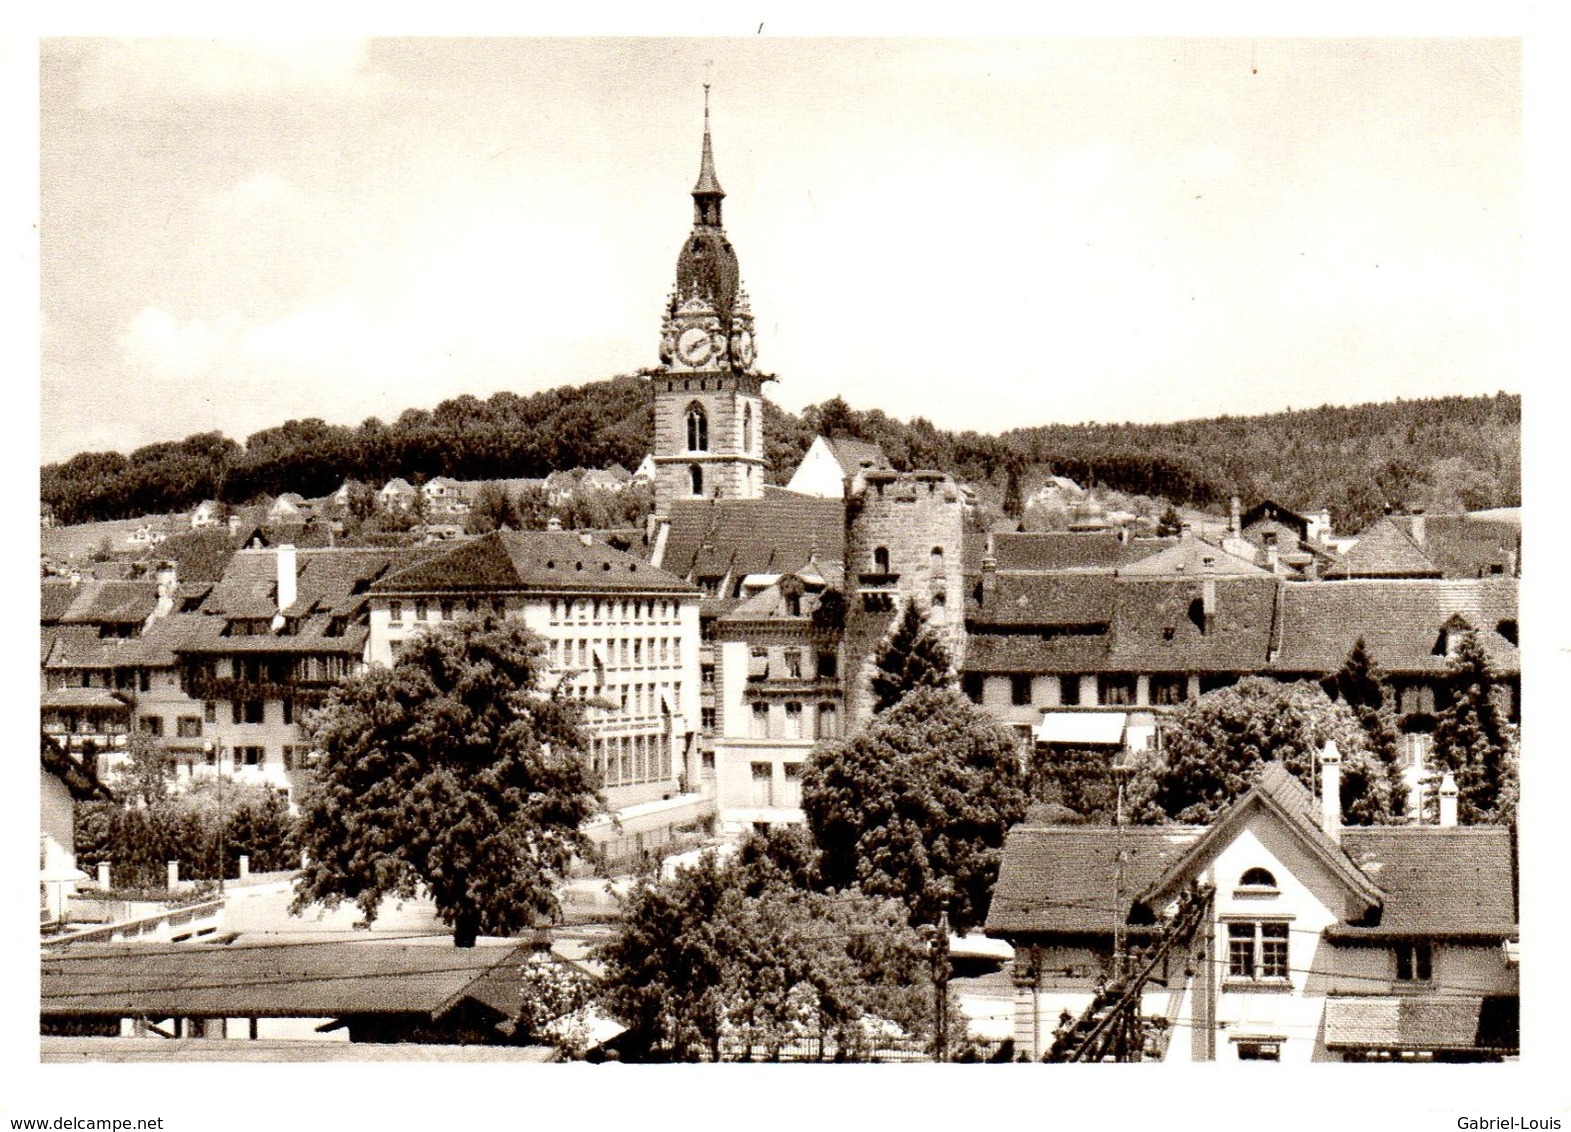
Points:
[782,551]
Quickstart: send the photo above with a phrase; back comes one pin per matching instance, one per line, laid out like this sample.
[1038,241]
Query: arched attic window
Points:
[1257,878]
[697,428]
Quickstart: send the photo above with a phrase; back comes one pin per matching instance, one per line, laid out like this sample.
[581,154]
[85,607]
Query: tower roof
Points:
[708,183]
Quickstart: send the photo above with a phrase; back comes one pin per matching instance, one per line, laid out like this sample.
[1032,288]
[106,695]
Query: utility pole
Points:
[940,957]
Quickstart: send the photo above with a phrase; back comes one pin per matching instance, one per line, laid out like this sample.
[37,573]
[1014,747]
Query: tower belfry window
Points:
[697,429]
[695,476]
[747,428]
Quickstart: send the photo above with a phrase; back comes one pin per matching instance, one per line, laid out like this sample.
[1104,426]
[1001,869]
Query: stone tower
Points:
[709,411]
[903,538]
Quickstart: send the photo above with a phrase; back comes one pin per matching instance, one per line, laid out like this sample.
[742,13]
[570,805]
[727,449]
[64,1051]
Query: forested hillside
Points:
[1447,453]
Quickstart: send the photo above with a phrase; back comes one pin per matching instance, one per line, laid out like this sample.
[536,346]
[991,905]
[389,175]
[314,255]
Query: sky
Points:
[986,233]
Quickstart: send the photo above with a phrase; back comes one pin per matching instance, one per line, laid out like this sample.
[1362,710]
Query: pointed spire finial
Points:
[708,184]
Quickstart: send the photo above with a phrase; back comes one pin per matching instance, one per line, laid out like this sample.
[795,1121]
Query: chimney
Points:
[1208,602]
[1331,791]
[989,569]
[234,525]
[1416,525]
[286,576]
[1233,522]
[1271,559]
[1448,793]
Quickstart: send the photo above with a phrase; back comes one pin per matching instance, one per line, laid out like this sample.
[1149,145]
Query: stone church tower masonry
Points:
[903,537]
[709,411]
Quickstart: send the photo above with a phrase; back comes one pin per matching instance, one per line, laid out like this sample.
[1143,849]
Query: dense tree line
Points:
[1447,453]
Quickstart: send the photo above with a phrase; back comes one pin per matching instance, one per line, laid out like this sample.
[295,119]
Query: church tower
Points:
[709,410]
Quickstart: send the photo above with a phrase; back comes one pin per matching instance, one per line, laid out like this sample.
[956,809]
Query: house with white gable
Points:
[1317,942]
[829,460]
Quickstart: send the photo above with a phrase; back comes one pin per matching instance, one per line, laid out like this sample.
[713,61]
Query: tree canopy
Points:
[1474,738]
[916,806]
[1360,685]
[912,656]
[452,773]
[1215,744]
[736,959]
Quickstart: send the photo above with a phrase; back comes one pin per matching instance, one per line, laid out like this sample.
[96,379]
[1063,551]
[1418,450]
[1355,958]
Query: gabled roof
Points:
[849,453]
[80,646]
[541,560]
[1271,511]
[1456,881]
[199,556]
[780,531]
[1159,625]
[1399,619]
[1384,550]
[1044,599]
[69,699]
[93,602]
[1429,1022]
[283,980]
[1058,551]
[1191,558]
[1277,791]
[1062,878]
[1464,546]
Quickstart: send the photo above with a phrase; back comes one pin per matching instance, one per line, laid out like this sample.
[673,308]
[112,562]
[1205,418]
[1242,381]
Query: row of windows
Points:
[626,760]
[792,665]
[935,560]
[631,700]
[1117,689]
[764,795]
[635,652]
[795,722]
[445,608]
[614,611]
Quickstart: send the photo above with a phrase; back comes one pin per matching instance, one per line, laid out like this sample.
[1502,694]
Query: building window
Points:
[827,664]
[936,560]
[422,609]
[289,711]
[1116,690]
[760,721]
[828,722]
[447,609]
[1020,689]
[210,711]
[747,428]
[1257,878]
[188,727]
[1069,691]
[695,479]
[1169,688]
[763,785]
[880,560]
[971,684]
[1413,963]
[395,611]
[697,429]
[152,725]
[793,664]
[793,721]
[1259,1051]
[1257,950]
[707,718]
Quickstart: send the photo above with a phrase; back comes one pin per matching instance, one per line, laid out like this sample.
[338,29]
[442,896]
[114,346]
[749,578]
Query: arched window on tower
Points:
[747,428]
[695,476]
[937,563]
[880,560]
[697,428]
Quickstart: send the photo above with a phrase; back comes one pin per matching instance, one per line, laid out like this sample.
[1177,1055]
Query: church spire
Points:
[707,194]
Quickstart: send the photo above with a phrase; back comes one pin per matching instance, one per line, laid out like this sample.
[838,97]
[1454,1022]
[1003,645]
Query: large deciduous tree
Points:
[453,772]
[737,959]
[913,655]
[916,806]
[1474,738]
[1215,745]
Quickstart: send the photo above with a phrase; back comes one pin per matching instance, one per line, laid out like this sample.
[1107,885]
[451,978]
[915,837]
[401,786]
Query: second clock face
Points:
[694,346]
[744,348]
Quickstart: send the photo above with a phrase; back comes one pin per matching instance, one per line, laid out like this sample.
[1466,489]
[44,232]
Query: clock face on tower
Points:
[694,346]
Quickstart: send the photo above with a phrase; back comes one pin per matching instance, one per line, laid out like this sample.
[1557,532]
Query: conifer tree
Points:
[1358,684]
[1474,739]
[912,656]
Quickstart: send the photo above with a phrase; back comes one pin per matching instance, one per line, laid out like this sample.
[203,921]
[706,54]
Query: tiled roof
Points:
[1043,599]
[320,979]
[1191,558]
[780,531]
[1159,625]
[68,698]
[1463,546]
[1455,881]
[1056,551]
[849,453]
[93,602]
[1268,510]
[80,646]
[1061,878]
[1399,619]
[1428,1022]
[1384,550]
[199,556]
[543,560]
[1036,652]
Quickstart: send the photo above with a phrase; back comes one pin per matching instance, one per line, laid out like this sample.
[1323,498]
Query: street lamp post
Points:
[216,749]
